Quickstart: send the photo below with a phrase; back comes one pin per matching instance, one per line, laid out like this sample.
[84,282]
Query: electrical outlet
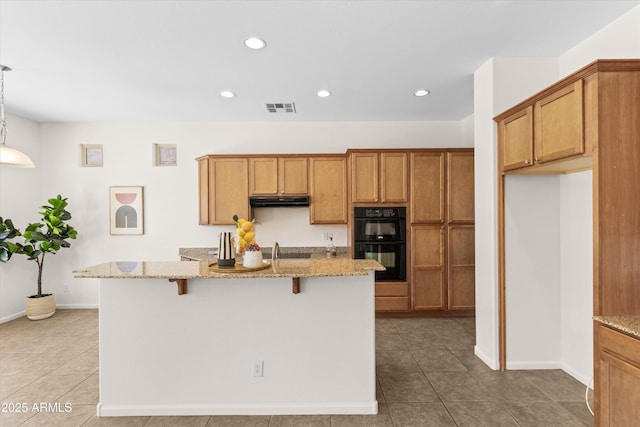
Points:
[66,287]
[258,366]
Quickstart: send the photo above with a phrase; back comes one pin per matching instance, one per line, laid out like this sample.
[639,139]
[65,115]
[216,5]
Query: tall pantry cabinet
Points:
[442,231]
[591,120]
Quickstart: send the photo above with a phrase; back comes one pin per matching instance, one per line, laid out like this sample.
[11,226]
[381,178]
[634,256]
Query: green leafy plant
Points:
[7,232]
[46,237]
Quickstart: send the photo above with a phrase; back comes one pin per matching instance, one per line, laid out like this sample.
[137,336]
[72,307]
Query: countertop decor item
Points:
[40,238]
[252,256]
[246,233]
[226,251]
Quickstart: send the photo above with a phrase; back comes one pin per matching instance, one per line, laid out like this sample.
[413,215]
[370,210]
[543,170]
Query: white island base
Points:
[167,354]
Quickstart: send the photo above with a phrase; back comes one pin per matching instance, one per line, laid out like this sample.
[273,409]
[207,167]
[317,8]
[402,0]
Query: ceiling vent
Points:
[282,107]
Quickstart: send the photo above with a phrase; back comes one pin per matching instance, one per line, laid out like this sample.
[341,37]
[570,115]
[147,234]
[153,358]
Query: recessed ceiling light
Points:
[255,43]
[421,92]
[227,94]
[323,93]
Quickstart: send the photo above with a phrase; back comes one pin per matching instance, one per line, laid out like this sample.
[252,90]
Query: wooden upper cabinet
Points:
[460,193]
[223,189]
[364,178]
[379,177]
[515,136]
[559,124]
[328,188]
[550,129]
[427,187]
[278,175]
[393,177]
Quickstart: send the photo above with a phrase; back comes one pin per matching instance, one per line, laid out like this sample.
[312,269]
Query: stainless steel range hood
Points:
[278,201]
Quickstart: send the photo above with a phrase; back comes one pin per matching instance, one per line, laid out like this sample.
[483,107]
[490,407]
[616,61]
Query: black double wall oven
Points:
[380,234]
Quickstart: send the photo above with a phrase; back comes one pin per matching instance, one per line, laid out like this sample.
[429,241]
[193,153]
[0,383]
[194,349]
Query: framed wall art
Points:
[91,155]
[126,210]
[166,155]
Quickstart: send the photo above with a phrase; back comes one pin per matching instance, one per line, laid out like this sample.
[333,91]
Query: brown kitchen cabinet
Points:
[392,296]
[328,189]
[442,231]
[599,103]
[618,372]
[378,177]
[278,176]
[548,129]
[223,189]
[427,186]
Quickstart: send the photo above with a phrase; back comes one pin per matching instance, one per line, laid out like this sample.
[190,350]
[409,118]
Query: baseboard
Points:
[109,410]
[77,306]
[12,316]
[533,364]
[584,379]
[58,306]
[493,364]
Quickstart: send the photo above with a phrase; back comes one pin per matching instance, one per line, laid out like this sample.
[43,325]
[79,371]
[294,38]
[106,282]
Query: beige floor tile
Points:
[61,417]
[385,326]
[196,421]
[239,421]
[47,388]
[406,387]
[437,360]
[420,414]
[394,361]
[543,414]
[10,384]
[480,414]
[388,342]
[422,340]
[458,387]
[381,419]
[556,384]
[471,361]
[85,393]
[300,421]
[84,363]
[116,421]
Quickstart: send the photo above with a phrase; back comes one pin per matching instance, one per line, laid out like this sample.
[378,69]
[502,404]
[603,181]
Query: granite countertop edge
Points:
[629,323]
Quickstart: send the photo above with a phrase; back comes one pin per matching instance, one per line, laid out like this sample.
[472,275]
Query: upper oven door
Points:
[379,230]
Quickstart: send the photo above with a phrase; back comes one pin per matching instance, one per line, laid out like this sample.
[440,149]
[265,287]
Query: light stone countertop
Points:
[629,324]
[315,267]
[201,254]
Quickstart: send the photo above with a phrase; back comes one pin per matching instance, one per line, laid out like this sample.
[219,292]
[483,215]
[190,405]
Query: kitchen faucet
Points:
[275,252]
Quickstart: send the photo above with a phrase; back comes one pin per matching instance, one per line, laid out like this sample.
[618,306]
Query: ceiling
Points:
[139,60]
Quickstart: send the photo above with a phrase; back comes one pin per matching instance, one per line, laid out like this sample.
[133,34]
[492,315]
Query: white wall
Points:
[170,193]
[20,200]
[498,84]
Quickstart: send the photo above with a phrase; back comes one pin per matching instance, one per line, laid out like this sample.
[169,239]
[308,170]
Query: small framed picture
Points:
[91,155]
[126,210]
[166,155]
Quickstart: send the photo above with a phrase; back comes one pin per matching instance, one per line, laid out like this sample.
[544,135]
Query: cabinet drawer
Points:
[620,344]
[392,303]
[392,289]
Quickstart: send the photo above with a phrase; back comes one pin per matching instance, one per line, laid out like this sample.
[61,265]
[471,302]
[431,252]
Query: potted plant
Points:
[7,232]
[41,238]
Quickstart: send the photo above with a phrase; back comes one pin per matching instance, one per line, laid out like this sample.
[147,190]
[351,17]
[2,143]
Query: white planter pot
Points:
[41,308]
[252,259]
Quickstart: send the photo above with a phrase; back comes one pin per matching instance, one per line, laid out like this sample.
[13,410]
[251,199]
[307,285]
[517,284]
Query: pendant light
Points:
[9,156]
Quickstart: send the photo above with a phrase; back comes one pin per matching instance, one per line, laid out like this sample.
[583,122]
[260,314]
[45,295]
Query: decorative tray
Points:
[238,268]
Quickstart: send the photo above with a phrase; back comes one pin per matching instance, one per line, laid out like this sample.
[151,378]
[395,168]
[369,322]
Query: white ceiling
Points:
[138,60]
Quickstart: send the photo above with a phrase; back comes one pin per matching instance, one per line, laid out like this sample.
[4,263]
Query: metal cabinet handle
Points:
[526,162]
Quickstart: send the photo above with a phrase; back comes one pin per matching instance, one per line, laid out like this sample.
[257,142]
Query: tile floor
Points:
[427,376]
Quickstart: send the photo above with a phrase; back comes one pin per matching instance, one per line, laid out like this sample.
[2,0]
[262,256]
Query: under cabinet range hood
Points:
[278,201]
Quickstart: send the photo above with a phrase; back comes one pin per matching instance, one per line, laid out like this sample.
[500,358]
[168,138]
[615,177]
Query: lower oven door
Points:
[392,255]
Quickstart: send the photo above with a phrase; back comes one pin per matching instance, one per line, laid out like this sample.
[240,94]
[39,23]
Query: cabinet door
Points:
[618,378]
[263,176]
[559,124]
[328,180]
[293,175]
[461,267]
[460,196]
[229,190]
[427,187]
[393,168]
[427,267]
[515,140]
[364,177]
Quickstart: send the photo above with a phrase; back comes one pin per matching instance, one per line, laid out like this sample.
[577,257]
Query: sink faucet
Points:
[275,252]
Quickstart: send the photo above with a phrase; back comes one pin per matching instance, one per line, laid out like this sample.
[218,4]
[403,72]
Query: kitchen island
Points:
[237,343]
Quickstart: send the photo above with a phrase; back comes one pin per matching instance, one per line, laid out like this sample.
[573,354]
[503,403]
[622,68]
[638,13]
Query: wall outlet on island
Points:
[66,287]
[258,366]
[325,235]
